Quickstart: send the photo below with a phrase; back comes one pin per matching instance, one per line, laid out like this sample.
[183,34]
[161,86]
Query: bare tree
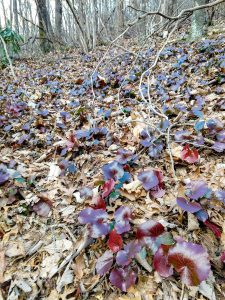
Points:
[58,18]
[199,20]
[45,27]
[15,12]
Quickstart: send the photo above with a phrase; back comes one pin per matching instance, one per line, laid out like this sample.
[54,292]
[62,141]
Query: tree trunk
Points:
[199,21]
[15,12]
[45,27]
[119,16]
[58,19]
[82,35]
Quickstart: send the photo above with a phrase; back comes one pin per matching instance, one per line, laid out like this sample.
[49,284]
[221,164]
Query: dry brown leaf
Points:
[2,265]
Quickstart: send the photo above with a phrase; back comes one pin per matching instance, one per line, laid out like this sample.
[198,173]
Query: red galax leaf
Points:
[107,187]
[98,203]
[123,278]
[160,262]
[191,261]
[189,155]
[115,241]
[222,257]
[215,229]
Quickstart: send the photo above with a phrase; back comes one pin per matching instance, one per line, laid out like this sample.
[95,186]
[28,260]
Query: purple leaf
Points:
[113,171]
[123,278]
[182,135]
[43,113]
[190,261]
[99,229]
[218,147]
[221,136]
[201,215]
[213,124]
[104,263]
[191,207]
[220,195]
[86,192]
[42,207]
[157,192]
[122,218]
[4,175]
[155,149]
[124,257]
[146,138]
[82,134]
[133,248]
[97,218]
[99,131]
[197,189]
[148,179]
[90,215]
[160,262]
[124,156]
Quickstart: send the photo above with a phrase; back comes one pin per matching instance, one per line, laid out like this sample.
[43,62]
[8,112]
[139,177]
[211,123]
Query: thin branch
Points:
[8,58]
[174,18]
[29,21]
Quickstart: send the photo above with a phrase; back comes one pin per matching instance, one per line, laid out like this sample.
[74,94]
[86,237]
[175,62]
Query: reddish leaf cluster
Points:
[189,155]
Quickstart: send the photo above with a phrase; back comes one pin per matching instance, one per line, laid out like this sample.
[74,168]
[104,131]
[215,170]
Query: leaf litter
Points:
[90,208]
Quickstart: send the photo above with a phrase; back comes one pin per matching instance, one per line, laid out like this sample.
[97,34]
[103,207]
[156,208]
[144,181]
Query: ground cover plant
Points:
[112,182]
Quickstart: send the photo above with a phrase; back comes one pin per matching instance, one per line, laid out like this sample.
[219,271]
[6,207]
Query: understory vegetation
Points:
[112,168]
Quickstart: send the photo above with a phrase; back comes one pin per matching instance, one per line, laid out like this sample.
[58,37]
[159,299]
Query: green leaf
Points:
[114,195]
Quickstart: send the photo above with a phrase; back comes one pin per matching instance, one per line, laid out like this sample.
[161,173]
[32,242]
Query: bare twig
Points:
[183,13]
[8,58]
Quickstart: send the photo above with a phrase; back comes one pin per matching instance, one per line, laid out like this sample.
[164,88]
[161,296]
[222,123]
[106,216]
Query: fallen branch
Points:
[83,244]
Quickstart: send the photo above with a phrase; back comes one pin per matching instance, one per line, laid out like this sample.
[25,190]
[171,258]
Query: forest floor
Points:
[55,137]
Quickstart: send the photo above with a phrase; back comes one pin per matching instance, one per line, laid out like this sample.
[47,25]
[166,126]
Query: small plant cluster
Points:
[197,191]
[127,242]
[12,41]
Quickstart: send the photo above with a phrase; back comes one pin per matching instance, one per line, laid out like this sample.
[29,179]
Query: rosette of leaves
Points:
[150,141]
[195,191]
